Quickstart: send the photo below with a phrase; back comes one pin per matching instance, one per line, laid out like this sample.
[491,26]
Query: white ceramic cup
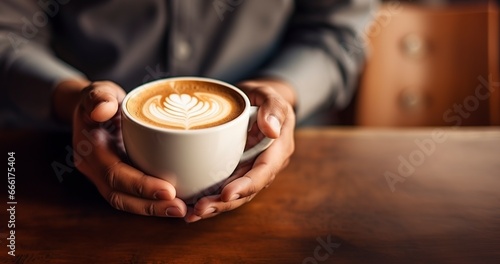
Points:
[196,162]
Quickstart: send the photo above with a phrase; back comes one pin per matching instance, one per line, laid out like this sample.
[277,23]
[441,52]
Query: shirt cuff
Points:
[311,73]
[31,77]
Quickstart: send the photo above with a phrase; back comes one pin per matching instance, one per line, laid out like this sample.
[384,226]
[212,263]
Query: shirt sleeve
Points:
[323,52]
[28,68]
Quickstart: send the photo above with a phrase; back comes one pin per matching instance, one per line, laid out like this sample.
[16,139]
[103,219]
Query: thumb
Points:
[274,99]
[101,100]
[271,116]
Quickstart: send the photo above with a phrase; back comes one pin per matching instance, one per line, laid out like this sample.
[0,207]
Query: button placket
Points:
[182,50]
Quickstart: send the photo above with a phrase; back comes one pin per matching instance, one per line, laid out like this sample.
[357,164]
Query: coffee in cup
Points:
[186,105]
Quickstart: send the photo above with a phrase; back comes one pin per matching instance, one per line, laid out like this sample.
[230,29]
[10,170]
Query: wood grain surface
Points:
[332,204]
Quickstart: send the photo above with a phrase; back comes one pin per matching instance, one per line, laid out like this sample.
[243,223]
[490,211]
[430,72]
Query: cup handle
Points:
[259,147]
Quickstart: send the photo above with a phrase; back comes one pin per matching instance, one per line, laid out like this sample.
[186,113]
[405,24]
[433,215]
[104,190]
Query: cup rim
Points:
[136,90]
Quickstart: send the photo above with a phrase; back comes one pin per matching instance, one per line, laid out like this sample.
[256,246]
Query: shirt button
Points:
[182,50]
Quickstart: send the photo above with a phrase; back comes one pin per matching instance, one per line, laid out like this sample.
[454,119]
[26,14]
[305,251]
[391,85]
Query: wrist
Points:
[66,97]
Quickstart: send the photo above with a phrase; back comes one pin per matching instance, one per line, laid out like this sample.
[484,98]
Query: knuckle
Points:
[150,210]
[138,187]
[110,178]
[85,92]
[249,198]
[227,207]
[271,180]
[92,94]
[115,200]
[251,187]
[111,175]
[279,104]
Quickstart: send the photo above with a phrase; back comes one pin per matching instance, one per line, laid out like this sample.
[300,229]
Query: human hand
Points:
[100,156]
[275,119]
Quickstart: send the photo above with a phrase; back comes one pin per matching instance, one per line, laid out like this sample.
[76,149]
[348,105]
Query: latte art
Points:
[185,111]
[185,105]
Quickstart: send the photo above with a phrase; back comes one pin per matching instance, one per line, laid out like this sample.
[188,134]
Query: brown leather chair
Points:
[431,66]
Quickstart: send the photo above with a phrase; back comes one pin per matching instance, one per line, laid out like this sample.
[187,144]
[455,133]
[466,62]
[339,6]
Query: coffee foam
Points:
[186,105]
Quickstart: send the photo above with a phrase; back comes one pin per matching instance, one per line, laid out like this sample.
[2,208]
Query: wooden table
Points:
[333,204]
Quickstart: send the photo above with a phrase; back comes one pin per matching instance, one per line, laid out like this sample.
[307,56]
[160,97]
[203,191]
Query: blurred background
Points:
[430,63]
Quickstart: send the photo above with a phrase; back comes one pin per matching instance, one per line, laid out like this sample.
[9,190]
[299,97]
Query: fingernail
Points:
[275,123]
[162,195]
[209,211]
[174,211]
[234,197]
